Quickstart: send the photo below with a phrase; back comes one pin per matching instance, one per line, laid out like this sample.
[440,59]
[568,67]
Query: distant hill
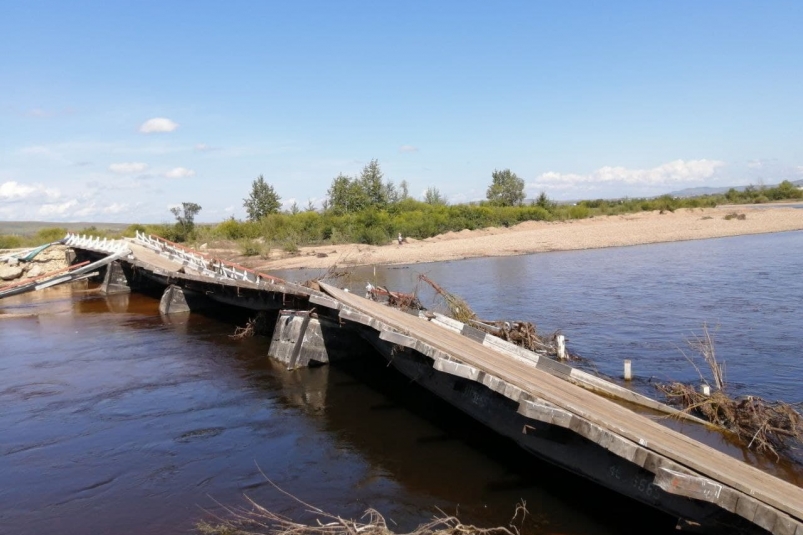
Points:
[29,228]
[695,192]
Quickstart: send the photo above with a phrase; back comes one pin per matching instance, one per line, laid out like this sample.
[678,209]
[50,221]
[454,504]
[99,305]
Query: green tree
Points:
[347,195]
[404,190]
[185,219]
[544,202]
[433,196]
[507,189]
[262,201]
[371,182]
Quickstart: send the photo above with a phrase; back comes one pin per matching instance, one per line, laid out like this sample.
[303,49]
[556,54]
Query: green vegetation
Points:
[262,201]
[506,189]
[185,220]
[367,209]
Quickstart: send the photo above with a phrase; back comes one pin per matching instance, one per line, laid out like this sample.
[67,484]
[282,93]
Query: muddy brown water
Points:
[117,420]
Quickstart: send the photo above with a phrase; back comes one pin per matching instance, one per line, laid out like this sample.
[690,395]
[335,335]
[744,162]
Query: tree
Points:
[371,182]
[262,201]
[404,190]
[507,189]
[433,196]
[346,195]
[543,201]
[185,219]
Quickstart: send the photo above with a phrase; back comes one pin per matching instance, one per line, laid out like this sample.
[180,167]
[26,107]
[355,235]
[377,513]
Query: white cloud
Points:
[408,148]
[678,171]
[203,147]
[180,172]
[57,209]
[157,124]
[115,208]
[128,167]
[14,190]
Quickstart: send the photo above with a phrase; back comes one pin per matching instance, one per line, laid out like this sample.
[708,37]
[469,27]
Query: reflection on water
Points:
[118,420]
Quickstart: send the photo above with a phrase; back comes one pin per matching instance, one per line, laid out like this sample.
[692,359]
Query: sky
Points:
[116,111]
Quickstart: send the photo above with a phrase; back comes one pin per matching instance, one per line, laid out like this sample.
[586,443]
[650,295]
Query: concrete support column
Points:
[173,301]
[115,281]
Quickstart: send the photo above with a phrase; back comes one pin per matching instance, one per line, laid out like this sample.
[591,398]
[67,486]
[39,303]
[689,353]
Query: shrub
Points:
[9,241]
[374,236]
[50,234]
[579,212]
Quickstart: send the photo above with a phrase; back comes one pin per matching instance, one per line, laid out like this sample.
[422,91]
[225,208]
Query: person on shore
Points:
[400,238]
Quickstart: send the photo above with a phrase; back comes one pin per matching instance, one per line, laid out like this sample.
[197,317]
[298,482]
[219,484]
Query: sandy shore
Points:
[537,236]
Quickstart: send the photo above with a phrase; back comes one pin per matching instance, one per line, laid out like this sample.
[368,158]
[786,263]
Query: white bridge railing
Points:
[210,267]
[96,244]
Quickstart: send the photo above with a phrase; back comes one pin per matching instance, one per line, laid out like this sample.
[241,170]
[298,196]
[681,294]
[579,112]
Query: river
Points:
[117,420]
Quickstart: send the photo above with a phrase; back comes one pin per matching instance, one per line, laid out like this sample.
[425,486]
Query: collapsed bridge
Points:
[549,408]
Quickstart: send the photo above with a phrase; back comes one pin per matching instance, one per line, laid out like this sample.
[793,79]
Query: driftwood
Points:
[765,426]
[457,306]
[771,427]
[256,325]
[400,300]
[255,519]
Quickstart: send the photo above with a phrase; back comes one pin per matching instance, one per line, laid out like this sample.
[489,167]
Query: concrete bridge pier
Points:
[177,300]
[303,338]
[115,281]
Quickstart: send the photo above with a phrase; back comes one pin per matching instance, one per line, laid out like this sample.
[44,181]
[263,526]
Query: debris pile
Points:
[769,427]
[765,426]
[521,333]
[400,300]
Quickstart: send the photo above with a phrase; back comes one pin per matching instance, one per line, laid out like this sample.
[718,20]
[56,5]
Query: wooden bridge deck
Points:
[685,451]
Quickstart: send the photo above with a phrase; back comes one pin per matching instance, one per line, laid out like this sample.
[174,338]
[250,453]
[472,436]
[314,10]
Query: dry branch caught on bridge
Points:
[772,427]
[458,307]
[257,325]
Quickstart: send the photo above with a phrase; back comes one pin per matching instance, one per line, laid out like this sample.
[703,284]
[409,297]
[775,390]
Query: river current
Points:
[117,420]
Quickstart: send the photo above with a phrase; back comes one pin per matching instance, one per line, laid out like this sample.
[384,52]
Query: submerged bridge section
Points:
[546,407]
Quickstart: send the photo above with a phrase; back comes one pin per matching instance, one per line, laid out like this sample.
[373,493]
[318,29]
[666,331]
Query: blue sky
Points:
[113,111]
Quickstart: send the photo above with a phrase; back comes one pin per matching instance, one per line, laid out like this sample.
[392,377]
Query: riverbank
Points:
[539,236]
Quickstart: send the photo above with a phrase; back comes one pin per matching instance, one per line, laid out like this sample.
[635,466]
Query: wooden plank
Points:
[650,435]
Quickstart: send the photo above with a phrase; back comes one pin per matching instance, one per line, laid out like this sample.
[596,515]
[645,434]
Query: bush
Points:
[579,212]
[8,241]
[50,234]
[251,248]
[374,236]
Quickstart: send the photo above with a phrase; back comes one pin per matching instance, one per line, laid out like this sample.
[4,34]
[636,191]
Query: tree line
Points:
[367,208]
